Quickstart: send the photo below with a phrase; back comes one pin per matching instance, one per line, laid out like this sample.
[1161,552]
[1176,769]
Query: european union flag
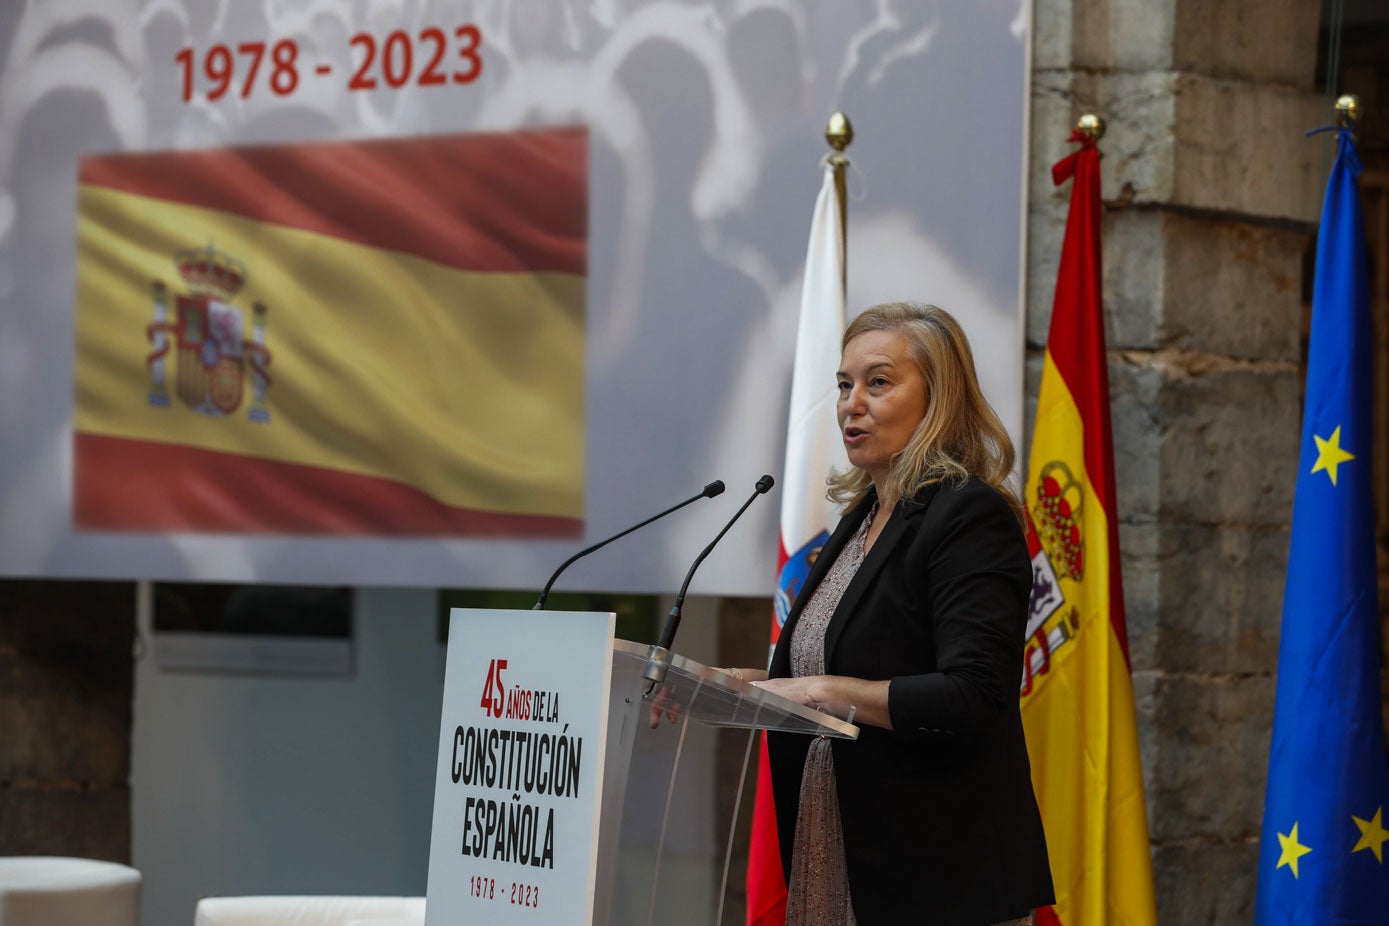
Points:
[1321,856]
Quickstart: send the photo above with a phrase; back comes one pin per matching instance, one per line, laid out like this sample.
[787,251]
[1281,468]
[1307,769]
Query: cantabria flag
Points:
[813,449]
[381,337]
[1077,694]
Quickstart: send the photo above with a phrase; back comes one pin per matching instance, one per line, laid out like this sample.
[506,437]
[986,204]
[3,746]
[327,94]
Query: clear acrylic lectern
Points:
[655,824]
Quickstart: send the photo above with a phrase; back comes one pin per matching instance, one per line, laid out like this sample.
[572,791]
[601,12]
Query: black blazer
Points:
[940,821]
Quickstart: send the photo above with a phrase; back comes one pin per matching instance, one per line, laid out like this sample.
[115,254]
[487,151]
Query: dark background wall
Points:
[66,683]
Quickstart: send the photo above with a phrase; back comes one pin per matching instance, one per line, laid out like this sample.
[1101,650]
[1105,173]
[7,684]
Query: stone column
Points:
[1210,191]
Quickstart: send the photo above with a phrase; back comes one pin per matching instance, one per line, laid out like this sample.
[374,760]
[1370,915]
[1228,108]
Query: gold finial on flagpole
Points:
[1090,126]
[1348,111]
[839,132]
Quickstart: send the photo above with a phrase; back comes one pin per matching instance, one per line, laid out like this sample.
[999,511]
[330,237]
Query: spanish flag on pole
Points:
[1077,694]
[381,337]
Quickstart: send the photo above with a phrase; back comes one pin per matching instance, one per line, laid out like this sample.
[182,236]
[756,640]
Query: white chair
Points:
[326,910]
[42,890]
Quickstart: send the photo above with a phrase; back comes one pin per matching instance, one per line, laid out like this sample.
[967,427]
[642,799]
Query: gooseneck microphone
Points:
[658,659]
[712,489]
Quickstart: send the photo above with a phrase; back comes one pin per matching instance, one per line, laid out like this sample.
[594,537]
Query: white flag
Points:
[813,444]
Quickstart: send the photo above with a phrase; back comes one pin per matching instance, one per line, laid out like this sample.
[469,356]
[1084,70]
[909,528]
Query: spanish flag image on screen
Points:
[368,338]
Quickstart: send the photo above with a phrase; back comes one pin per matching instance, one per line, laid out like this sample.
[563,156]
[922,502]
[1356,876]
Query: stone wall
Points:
[66,684]
[1210,191]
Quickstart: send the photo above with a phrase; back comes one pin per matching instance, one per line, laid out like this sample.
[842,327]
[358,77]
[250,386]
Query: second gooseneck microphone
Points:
[712,489]
[659,659]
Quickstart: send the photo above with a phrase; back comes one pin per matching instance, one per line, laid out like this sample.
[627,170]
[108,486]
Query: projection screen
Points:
[436,293]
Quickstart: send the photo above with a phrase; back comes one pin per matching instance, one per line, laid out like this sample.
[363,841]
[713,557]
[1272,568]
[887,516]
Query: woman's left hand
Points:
[839,695]
[802,690]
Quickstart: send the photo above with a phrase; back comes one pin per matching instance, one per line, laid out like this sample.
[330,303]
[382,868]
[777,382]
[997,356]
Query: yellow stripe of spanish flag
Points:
[392,376]
[1080,717]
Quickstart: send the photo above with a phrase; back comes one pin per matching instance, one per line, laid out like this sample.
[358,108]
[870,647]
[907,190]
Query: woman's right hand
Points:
[660,704]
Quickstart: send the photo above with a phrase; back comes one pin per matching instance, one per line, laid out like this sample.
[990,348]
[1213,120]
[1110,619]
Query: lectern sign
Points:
[520,768]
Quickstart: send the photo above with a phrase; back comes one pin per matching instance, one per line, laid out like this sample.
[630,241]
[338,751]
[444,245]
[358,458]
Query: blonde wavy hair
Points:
[960,435]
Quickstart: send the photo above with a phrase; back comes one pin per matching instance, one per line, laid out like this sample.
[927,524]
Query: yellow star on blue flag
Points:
[1292,850]
[1326,765]
[1330,455]
[1372,835]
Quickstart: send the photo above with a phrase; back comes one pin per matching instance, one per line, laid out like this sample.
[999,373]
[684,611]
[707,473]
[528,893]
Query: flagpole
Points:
[839,132]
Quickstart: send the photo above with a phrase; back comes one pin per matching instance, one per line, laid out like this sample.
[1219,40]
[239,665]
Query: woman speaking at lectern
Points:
[914,615]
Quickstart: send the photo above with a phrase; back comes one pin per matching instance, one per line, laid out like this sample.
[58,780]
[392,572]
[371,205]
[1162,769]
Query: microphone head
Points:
[713,488]
[764,485]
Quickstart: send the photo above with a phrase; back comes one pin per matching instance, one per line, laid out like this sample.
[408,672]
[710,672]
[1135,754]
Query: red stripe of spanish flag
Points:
[1077,702]
[495,202]
[166,487]
[382,337]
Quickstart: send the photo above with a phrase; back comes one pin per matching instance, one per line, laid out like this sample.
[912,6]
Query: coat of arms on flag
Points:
[1056,543]
[209,332]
